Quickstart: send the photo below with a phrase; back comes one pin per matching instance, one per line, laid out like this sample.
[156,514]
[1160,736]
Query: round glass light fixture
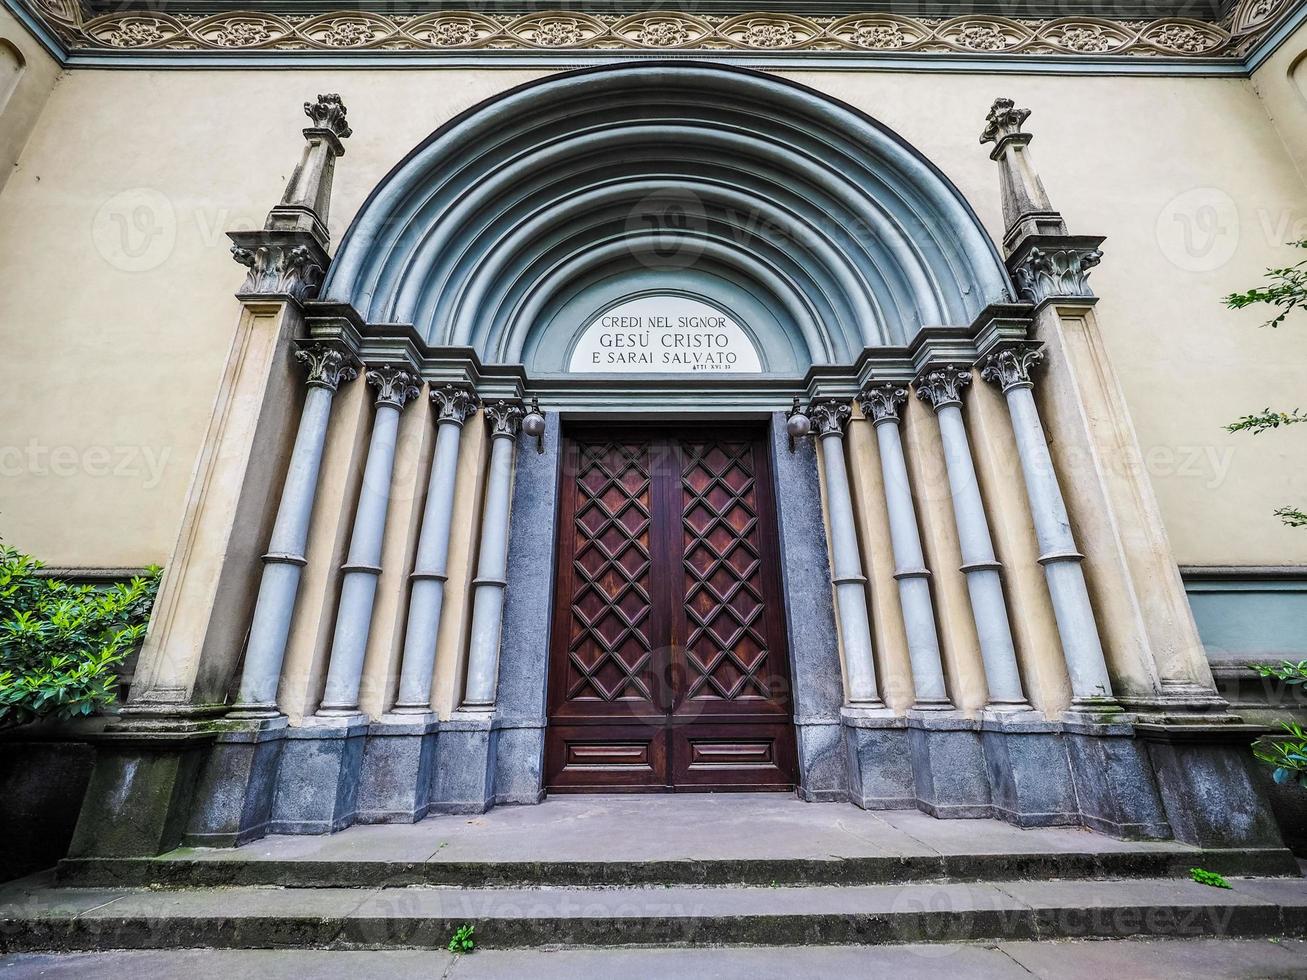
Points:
[798,426]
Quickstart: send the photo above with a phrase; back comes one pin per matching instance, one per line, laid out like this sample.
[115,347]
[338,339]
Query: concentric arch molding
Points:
[367,36]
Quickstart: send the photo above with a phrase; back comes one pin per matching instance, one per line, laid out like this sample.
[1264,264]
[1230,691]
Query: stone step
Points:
[36,916]
[205,868]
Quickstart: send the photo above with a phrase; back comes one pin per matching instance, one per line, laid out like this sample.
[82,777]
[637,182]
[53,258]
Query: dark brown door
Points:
[668,666]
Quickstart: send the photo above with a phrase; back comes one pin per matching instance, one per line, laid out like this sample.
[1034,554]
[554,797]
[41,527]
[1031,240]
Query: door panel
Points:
[668,660]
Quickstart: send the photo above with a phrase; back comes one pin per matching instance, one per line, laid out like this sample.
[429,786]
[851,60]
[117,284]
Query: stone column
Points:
[1090,684]
[880,404]
[942,388]
[285,557]
[829,419]
[395,387]
[492,561]
[452,405]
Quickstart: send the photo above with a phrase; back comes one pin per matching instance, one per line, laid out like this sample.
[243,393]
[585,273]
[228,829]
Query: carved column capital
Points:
[454,403]
[285,264]
[942,385]
[327,366]
[880,401]
[1058,269]
[1004,123]
[1010,368]
[829,416]
[505,418]
[328,115]
[395,386]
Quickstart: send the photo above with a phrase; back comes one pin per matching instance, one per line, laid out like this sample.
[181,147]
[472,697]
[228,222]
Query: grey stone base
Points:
[233,802]
[823,761]
[948,766]
[464,778]
[1029,775]
[317,785]
[879,764]
[1114,781]
[519,763]
[1211,795]
[139,797]
[395,777]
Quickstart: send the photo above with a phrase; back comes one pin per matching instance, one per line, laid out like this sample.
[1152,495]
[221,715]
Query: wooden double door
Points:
[668,661]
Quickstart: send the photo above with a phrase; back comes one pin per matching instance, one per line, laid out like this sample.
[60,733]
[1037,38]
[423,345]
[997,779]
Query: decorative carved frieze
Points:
[278,265]
[942,386]
[1011,366]
[880,401]
[829,417]
[327,366]
[505,417]
[1039,273]
[365,30]
[454,403]
[395,385]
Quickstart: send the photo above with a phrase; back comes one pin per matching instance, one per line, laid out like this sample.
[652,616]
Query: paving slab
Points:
[1133,959]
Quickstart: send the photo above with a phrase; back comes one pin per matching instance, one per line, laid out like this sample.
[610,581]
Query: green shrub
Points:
[61,644]
[1285,754]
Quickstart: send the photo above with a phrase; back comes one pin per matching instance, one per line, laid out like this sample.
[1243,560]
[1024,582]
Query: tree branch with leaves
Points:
[1286,290]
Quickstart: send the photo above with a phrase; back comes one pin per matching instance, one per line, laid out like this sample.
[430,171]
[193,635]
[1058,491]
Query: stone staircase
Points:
[677,872]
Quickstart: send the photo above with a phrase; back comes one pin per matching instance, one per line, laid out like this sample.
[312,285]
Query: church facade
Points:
[646,402]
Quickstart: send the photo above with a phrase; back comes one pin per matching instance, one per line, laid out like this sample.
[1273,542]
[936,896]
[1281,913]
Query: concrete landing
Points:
[1126,959]
[674,839]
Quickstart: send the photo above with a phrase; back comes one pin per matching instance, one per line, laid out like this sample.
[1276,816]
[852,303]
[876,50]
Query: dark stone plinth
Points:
[1114,781]
[395,777]
[816,677]
[233,800]
[1029,775]
[317,785]
[464,778]
[43,778]
[879,763]
[823,761]
[139,798]
[519,762]
[1211,796]
[948,766]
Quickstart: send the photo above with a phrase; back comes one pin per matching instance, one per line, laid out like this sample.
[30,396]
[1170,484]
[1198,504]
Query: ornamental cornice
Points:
[659,30]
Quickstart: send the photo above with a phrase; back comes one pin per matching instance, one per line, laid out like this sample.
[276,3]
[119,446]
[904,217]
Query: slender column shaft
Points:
[880,404]
[285,559]
[943,390]
[1058,554]
[492,562]
[846,562]
[430,566]
[363,563]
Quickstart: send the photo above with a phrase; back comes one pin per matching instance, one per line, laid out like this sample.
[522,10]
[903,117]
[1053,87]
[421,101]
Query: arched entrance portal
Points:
[664,243]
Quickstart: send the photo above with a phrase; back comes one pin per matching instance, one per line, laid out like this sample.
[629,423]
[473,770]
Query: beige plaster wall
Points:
[118,310]
[27,77]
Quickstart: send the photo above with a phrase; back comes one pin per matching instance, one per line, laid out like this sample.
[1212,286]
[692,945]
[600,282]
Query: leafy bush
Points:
[61,644]
[1285,754]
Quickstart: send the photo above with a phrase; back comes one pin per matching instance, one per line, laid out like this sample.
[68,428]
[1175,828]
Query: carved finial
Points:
[942,385]
[504,418]
[327,366]
[829,417]
[880,401]
[329,113]
[395,386]
[454,403]
[1004,120]
[1011,367]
